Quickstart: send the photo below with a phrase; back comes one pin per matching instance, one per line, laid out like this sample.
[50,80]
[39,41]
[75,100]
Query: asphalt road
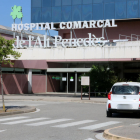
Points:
[60,121]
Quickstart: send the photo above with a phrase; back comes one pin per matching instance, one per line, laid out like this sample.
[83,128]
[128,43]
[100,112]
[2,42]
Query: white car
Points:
[123,97]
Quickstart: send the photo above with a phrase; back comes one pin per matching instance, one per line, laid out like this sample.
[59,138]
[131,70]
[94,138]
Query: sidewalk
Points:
[129,132]
[56,97]
[12,110]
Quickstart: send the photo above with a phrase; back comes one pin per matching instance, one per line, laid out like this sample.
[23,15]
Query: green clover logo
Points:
[17,12]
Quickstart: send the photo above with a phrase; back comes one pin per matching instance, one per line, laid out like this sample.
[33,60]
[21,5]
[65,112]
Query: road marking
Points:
[2,130]
[96,126]
[12,118]
[24,121]
[48,122]
[135,124]
[74,123]
[89,139]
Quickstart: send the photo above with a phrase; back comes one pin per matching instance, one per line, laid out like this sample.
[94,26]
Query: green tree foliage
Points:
[7,50]
[101,79]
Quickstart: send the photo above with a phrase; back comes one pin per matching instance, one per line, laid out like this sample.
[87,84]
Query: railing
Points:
[98,94]
[133,37]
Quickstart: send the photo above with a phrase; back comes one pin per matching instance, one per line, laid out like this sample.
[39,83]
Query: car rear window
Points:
[128,90]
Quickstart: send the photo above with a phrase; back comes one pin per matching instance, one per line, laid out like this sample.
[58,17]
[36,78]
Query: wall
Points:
[38,83]
[125,27]
[14,84]
[119,50]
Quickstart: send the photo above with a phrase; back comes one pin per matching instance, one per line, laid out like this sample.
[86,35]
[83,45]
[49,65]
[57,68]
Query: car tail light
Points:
[139,93]
[109,105]
[109,95]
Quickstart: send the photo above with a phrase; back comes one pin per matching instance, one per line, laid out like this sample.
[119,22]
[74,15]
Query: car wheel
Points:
[108,114]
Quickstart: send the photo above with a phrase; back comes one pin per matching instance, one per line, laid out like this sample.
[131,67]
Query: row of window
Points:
[119,10]
[21,71]
[53,3]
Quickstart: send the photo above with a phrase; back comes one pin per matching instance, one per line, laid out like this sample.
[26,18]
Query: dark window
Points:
[87,1]
[66,2]
[98,11]
[36,3]
[36,15]
[46,14]
[56,14]
[56,3]
[120,9]
[76,2]
[132,9]
[66,13]
[109,11]
[46,3]
[76,13]
[125,90]
[86,12]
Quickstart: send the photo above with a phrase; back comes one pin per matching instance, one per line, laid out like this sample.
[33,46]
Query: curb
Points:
[18,112]
[109,136]
[98,102]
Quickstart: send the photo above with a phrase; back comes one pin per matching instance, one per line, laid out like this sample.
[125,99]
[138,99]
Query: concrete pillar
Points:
[75,82]
[29,71]
[61,85]
[71,34]
[46,80]
[67,82]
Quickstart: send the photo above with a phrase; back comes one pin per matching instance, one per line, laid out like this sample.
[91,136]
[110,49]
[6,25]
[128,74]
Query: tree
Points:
[6,50]
[101,79]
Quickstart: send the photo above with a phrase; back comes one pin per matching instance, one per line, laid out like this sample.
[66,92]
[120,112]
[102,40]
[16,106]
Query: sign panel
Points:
[65,25]
[64,79]
[85,80]
[71,79]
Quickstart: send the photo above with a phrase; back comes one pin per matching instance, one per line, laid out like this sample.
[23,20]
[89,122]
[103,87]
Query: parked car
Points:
[123,97]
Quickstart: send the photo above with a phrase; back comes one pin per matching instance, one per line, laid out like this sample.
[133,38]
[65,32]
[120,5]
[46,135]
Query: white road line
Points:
[74,123]
[135,124]
[2,130]
[89,139]
[24,121]
[12,118]
[48,122]
[96,126]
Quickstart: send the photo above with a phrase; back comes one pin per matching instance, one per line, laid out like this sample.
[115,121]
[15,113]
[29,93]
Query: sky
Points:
[6,19]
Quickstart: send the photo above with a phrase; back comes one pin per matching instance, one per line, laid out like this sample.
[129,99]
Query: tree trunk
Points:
[2,88]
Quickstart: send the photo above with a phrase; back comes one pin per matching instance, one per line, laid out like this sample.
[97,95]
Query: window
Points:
[132,9]
[87,1]
[125,90]
[120,9]
[86,12]
[76,13]
[46,14]
[66,2]
[36,3]
[76,2]
[36,15]
[56,3]
[98,1]
[56,14]
[46,3]
[98,11]
[66,13]
[109,11]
